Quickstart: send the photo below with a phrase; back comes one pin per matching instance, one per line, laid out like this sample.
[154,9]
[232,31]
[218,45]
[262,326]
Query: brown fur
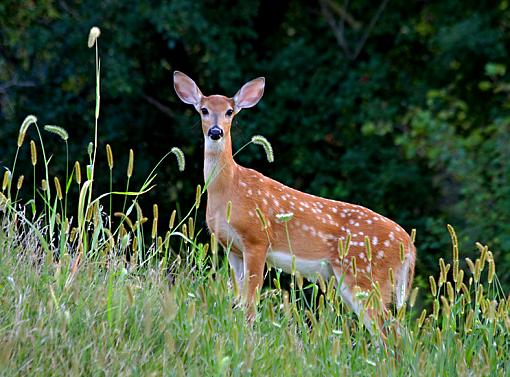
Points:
[317,223]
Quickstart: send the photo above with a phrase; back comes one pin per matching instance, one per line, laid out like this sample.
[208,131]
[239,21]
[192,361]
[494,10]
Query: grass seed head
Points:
[422,318]
[191,228]
[172,219]
[6,180]
[20,182]
[33,153]
[154,228]
[353,264]
[391,276]
[284,217]
[262,218]
[29,120]
[261,140]
[412,298]
[433,286]
[492,271]
[94,33]
[450,291]
[57,131]
[58,188]
[198,196]
[368,248]
[109,156]
[181,162]
[77,172]
[131,163]
[229,211]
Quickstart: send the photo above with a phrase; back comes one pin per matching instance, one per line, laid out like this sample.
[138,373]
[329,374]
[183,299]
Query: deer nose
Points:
[215,133]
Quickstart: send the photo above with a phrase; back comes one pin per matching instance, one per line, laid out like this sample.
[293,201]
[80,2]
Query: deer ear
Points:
[249,94]
[186,89]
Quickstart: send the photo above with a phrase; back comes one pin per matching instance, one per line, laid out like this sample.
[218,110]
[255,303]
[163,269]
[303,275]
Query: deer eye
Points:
[229,112]
[204,111]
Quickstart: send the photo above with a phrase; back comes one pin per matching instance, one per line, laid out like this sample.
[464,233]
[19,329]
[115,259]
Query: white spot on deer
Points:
[374,240]
[251,213]
[387,243]
[362,256]
[380,254]
[342,215]
[264,201]
[334,210]
[249,192]
[261,180]
[301,209]
[356,224]
[258,192]
[305,227]
[376,218]
[392,236]
[361,233]
[242,183]
[333,223]
[369,268]
[351,222]
[267,194]
[369,221]
[276,202]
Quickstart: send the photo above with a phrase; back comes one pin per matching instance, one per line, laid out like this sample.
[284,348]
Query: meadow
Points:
[88,291]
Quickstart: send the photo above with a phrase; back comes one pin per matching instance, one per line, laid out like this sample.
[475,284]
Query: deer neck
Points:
[219,165]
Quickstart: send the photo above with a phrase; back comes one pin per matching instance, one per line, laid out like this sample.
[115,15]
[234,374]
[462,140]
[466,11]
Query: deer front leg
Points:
[254,261]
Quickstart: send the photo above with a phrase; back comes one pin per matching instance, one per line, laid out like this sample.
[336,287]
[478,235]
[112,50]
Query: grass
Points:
[109,320]
[94,298]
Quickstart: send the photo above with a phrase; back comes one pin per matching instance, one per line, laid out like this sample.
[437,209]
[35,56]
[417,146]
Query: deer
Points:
[309,242]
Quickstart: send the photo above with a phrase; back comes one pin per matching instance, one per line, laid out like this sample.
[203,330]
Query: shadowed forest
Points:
[402,107]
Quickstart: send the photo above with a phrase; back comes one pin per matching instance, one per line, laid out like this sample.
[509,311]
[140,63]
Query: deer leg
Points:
[254,261]
[237,264]
[364,314]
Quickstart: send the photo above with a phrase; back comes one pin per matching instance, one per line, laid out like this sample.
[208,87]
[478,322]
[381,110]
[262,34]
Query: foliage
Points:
[415,126]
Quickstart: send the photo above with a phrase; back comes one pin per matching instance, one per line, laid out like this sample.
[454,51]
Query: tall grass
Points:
[103,297]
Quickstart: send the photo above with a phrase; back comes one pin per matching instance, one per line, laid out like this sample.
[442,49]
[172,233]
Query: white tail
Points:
[316,226]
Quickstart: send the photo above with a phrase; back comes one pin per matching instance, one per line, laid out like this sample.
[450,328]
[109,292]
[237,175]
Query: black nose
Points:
[215,133]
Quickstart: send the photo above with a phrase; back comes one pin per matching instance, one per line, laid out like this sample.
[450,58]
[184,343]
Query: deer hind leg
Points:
[368,316]
[403,283]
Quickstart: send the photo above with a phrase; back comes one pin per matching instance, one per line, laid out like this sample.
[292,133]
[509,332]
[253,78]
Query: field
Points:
[104,318]
[136,297]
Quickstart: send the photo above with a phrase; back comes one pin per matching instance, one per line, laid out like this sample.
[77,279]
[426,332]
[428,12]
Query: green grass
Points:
[107,320]
[101,297]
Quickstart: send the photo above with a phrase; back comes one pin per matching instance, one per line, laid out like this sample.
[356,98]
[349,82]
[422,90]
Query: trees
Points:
[414,125]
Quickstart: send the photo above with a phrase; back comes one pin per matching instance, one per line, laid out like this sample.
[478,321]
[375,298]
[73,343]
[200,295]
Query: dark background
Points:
[400,106]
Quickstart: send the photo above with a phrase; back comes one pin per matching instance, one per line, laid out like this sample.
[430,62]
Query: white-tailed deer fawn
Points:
[316,226]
